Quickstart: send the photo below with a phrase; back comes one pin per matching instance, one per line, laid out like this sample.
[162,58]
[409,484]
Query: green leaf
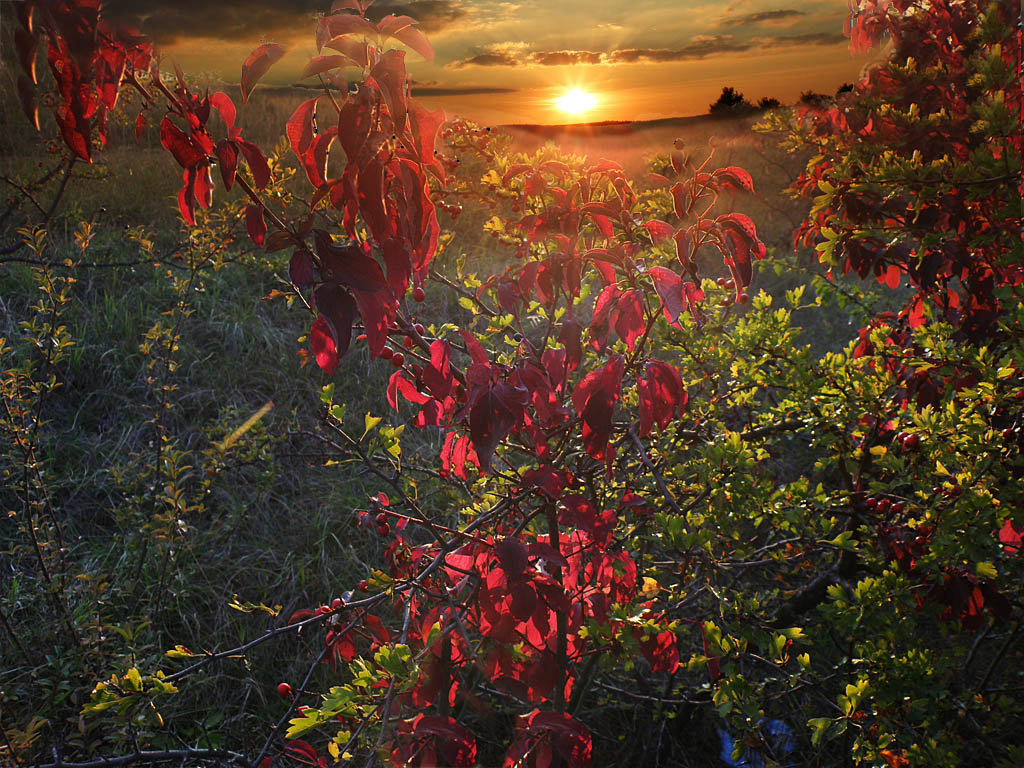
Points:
[369,422]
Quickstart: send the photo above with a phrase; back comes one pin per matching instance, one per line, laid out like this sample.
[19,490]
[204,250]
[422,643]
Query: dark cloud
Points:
[808,38]
[489,59]
[565,58]
[763,16]
[167,21]
[432,15]
[699,48]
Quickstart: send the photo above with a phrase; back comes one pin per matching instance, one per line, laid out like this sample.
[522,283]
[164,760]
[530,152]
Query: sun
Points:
[576,101]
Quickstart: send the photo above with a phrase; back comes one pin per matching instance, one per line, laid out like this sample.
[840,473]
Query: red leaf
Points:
[495,411]
[542,734]
[376,314]
[226,108]
[680,200]
[347,24]
[416,40]
[603,224]
[180,144]
[661,395]
[257,64]
[475,349]
[321,64]
[1010,538]
[389,75]
[594,399]
[423,127]
[257,162]
[736,178]
[299,127]
[255,223]
[355,51]
[670,290]
[186,198]
[659,230]
[204,186]
[227,160]
[514,171]
[325,349]
[629,318]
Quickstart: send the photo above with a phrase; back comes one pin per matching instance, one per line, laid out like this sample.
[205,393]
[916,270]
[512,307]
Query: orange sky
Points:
[507,61]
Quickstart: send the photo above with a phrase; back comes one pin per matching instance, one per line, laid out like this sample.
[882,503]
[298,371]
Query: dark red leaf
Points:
[348,264]
[257,162]
[338,308]
[255,224]
[227,160]
[594,399]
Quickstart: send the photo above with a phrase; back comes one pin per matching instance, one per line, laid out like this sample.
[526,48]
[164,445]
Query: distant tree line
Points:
[732,103]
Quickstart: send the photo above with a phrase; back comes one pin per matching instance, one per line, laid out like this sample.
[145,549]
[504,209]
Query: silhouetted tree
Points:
[768,102]
[730,103]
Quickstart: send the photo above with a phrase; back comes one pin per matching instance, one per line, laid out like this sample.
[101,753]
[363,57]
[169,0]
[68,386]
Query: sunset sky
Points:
[508,61]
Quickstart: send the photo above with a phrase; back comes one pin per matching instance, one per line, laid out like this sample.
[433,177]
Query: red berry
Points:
[884,505]
[362,586]
[911,442]
[398,359]
[284,690]
[382,518]
[408,342]
[419,328]
[743,298]
[384,530]
[418,294]
[721,282]
[303,710]
[730,284]
[871,502]
[1008,433]
[336,603]
[897,508]
[386,353]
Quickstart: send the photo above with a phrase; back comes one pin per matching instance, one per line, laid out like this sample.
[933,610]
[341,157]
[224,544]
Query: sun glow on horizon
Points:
[576,101]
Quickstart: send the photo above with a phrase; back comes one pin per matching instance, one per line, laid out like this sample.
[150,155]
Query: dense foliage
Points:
[643,502]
